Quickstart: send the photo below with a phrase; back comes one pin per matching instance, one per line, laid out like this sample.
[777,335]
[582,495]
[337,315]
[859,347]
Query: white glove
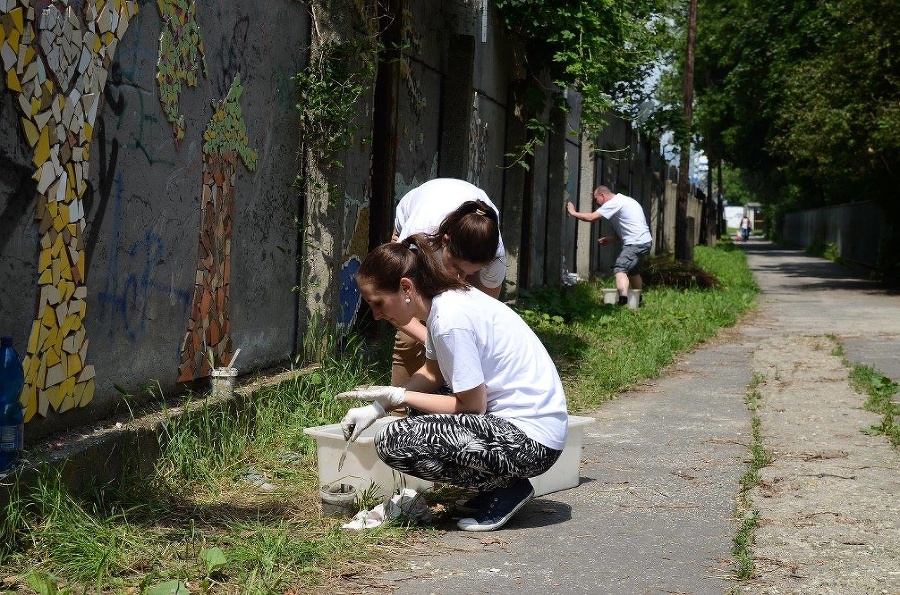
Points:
[389,397]
[360,418]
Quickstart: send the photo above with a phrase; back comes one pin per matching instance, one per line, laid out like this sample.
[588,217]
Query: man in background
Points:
[627,218]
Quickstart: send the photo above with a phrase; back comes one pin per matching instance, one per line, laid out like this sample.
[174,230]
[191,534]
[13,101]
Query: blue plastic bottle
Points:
[12,418]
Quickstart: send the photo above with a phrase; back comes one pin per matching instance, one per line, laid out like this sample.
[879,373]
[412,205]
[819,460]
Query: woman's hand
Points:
[388,397]
[360,418]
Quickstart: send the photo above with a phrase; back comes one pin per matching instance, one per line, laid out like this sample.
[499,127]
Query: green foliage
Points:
[338,74]
[880,390]
[603,50]
[330,89]
[804,95]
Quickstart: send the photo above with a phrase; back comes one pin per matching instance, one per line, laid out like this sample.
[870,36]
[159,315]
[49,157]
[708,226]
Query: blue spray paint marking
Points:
[127,309]
[348,295]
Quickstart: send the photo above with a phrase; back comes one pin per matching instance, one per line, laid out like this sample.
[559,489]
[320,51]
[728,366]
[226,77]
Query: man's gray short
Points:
[630,257]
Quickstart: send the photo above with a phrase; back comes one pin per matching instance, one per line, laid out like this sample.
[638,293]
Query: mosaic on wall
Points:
[208,334]
[181,56]
[56,56]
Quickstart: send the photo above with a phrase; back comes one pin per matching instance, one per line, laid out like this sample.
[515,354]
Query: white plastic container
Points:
[362,467]
[565,473]
[634,298]
[610,295]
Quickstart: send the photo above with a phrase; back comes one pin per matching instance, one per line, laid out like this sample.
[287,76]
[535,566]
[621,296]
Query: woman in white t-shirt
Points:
[505,418]
[464,227]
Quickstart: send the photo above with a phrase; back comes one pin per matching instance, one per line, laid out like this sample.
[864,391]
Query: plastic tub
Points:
[362,466]
[565,473]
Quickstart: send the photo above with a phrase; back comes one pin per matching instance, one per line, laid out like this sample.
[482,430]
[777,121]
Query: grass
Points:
[603,349]
[742,545]
[880,390]
[199,522]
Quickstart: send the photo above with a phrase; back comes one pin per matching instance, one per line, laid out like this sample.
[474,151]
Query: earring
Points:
[407,300]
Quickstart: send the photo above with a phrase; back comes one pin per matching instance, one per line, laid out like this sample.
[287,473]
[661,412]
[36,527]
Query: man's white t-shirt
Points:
[424,208]
[627,218]
[477,339]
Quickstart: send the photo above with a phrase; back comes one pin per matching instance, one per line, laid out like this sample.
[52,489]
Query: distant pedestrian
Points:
[630,224]
[745,228]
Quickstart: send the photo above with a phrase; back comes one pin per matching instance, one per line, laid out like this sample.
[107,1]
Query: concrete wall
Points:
[142,230]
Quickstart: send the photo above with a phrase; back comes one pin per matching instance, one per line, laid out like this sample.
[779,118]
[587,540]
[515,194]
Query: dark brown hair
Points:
[474,232]
[384,266]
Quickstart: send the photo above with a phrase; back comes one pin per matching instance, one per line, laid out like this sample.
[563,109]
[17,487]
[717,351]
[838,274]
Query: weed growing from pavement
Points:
[742,545]
[880,390]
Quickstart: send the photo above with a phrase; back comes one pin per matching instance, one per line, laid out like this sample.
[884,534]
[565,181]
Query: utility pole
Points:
[682,242]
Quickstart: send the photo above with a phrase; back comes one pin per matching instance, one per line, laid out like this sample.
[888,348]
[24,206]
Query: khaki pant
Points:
[409,356]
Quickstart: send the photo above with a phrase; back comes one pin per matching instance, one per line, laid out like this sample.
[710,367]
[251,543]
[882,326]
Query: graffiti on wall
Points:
[207,341]
[56,57]
[348,291]
[181,57]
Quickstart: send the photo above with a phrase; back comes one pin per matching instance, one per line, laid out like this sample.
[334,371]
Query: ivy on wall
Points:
[603,49]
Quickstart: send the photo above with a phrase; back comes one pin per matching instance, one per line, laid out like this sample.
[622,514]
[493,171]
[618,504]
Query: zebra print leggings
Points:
[475,451]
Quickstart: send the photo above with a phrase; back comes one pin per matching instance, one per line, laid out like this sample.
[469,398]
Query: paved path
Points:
[654,512]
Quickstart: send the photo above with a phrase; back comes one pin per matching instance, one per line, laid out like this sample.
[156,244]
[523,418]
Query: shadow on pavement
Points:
[821,273]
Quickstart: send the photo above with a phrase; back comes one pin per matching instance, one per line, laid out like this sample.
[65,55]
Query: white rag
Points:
[408,504]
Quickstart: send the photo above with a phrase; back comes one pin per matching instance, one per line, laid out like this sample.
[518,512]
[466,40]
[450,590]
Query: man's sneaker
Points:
[503,503]
[473,504]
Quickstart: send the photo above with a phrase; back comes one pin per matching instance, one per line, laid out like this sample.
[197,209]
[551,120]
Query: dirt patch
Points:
[828,504]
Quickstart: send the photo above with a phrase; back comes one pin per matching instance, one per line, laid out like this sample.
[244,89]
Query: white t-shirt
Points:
[424,208]
[477,339]
[627,218]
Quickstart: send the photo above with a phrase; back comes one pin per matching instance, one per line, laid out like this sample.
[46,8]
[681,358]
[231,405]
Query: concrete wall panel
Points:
[142,204]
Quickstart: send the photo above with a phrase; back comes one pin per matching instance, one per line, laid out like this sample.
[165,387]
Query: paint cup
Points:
[611,296]
[338,500]
[222,382]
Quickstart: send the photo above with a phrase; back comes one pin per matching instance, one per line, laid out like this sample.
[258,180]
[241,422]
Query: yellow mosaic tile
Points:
[78,393]
[29,400]
[48,318]
[88,393]
[68,403]
[44,261]
[52,359]
[66,388]
[42,150]
[12,81]
[59,394]
[31,132]
[44,396]
[18,18]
